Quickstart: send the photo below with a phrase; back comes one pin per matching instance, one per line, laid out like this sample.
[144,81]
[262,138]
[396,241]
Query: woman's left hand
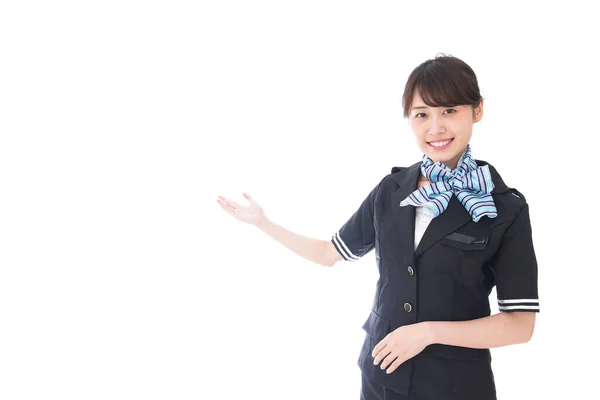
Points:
[401,345]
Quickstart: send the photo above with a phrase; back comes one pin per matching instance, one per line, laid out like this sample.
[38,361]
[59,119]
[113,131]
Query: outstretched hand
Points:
[251,214]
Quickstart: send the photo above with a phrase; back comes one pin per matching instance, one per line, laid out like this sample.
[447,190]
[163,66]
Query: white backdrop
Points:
[122,121]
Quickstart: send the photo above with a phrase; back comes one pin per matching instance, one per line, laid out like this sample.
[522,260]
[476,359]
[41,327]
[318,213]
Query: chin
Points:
[443,158]
[435,157]
[444,155]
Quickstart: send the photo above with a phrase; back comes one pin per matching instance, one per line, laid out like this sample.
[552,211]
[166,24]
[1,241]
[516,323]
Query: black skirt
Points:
[449,380]
[373,391]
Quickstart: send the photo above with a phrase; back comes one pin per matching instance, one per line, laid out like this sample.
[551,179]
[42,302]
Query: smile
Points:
[440,144]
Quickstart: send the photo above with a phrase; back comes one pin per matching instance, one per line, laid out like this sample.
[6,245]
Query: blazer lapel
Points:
[403,218]
[447,222]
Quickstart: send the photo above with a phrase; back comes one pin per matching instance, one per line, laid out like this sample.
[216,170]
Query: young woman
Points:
[445,230]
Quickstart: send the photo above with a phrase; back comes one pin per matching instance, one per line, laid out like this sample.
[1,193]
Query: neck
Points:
[453,163]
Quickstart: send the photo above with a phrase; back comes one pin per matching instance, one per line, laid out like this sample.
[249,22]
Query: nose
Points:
[436,126]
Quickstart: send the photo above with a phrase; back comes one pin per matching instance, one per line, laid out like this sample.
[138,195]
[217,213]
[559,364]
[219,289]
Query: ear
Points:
[478,112]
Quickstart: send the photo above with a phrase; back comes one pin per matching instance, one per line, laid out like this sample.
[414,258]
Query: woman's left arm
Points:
[502,329]
[515,268]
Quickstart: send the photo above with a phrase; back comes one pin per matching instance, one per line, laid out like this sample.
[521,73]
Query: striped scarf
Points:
[470,183]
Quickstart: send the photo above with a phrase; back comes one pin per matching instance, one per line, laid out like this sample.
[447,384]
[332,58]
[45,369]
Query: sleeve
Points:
[515,267]
[357,236]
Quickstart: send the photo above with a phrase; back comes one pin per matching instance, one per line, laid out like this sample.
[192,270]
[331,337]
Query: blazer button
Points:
[407,307]
[411,271]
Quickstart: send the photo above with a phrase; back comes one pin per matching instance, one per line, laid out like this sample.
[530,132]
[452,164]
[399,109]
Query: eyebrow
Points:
[418,107]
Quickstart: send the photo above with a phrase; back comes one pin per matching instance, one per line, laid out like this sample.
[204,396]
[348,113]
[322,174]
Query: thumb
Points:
[246,195]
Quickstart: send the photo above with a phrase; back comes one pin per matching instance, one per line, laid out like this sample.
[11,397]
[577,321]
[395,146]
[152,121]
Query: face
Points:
[443,133]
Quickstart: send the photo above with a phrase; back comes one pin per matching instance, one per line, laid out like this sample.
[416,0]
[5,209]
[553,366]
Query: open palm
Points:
[251,214]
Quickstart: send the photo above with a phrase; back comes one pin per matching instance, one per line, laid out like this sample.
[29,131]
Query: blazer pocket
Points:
[453,352]
[377,327]
[466,242]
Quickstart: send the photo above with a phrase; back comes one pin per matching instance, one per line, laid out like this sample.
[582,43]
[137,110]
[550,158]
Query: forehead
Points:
[417,99]
[418,102]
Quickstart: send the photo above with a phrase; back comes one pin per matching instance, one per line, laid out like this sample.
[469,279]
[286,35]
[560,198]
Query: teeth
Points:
[439,144]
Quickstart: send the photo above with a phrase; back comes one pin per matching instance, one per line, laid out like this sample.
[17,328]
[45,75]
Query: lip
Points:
[440,147]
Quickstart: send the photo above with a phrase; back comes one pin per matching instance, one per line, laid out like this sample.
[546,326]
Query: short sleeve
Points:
[357,236]
[516,269]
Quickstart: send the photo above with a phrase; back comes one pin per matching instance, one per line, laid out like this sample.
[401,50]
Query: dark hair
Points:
[444,81]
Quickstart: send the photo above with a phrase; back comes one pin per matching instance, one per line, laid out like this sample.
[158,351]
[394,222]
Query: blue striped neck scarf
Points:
[470,183]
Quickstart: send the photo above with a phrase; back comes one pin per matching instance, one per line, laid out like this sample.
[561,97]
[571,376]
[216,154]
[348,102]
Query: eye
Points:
[450,109]
[417,115]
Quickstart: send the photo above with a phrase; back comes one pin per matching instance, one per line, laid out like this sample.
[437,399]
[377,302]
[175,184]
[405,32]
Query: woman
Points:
[446,230]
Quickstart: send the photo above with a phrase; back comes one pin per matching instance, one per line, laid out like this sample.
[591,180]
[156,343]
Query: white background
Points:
[121,122]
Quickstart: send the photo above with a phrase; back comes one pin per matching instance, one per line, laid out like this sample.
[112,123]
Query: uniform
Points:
[448,277]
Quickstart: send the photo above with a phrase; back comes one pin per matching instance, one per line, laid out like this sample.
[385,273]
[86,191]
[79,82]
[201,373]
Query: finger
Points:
[395,365]
[388,360]
[378,348]
[230,203]
[222,202]
[250,199]
[382,354]
[225,207]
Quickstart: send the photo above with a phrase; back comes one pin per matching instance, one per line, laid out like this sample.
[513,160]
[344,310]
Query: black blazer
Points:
[447,278]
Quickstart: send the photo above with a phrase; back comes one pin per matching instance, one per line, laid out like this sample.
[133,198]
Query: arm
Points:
[502,329]
[318,251]
[515,268]
[352,241]
[497,330]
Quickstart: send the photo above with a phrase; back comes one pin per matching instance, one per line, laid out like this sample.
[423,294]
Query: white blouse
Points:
[422,220]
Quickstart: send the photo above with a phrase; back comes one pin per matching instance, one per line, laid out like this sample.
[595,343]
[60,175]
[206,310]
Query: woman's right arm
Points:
[316,250]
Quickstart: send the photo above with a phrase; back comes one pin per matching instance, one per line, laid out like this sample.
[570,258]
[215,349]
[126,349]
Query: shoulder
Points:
[517,194]
[394,173]
[510,203]
[509,200]
[397,176]
[389,181]
[513,197]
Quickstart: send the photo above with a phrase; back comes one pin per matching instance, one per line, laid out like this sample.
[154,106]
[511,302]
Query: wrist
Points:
[430,332]
[262,222]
